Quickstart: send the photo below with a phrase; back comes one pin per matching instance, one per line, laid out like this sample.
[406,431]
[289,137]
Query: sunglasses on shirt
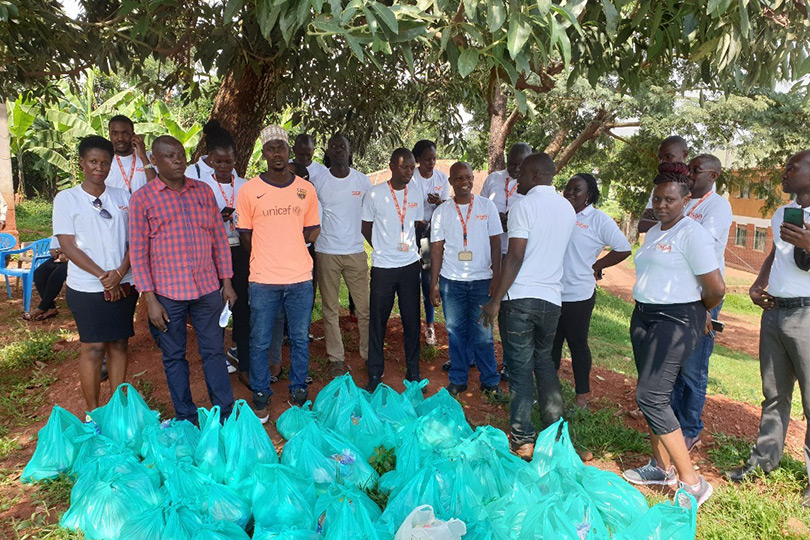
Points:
[97,204]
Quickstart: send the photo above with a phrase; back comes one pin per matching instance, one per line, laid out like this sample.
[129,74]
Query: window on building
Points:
[745,192]
[760,239]
[741,236]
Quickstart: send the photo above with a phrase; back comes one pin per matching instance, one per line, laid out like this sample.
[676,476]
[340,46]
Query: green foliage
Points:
[34,219]
[37,347]
[383,460]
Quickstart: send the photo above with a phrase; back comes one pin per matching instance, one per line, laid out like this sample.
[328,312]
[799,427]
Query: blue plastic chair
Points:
[7,241]
[39,254]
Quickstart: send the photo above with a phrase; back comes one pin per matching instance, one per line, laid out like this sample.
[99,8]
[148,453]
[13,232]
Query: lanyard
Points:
[127,180]
[463,221]
[228,203]
[692,211]
[507,192]
[400,211]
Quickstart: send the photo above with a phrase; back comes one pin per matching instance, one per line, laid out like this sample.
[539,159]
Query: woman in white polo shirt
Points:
[582,267]
[677,281]
[91,223]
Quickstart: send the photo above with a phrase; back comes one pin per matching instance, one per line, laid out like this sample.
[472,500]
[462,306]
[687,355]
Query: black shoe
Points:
[805,500]
[298,397]
[261,406]
[456,389]
[494,392]
[446,366]
[104,375]
[504,374]
[742,474]
[373,383]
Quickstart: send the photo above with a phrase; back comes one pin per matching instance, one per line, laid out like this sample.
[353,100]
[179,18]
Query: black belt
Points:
[791,303]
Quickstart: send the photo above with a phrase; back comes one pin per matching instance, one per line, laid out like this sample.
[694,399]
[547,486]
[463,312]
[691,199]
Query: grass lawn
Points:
[34,219]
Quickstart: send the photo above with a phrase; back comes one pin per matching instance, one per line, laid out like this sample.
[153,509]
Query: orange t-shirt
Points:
[277,216]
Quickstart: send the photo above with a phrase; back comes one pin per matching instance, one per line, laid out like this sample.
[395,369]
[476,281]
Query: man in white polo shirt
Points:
[465,250]
[713,212]
[784,339]
[501,188]
[390,213]
[528,298]
[339,248]
[131,168]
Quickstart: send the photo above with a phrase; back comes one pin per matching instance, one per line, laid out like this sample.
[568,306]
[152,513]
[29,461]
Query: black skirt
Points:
[99,321]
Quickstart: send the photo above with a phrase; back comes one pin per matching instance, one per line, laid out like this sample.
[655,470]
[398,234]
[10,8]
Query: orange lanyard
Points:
[228,203]
[692,211]
[463,221]
[400,211]
[507,192]
[127,180]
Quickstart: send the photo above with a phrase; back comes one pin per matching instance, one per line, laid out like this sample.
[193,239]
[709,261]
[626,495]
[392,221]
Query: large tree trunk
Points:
[241,106]
[500,123]
[555,145]
[6,175]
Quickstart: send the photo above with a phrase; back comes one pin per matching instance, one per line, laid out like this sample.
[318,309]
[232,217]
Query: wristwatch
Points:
[148,166]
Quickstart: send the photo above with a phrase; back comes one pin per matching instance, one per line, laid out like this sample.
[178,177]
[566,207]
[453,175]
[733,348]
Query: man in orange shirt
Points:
[277,214]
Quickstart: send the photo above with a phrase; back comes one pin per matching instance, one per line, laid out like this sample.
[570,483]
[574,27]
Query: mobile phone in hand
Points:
[794,216]
[718,326]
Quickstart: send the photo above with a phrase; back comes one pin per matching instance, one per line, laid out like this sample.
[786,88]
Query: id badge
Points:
[403,246]
[465,255]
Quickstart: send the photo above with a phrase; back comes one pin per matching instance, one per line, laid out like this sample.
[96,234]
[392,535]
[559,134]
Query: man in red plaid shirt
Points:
[180,255]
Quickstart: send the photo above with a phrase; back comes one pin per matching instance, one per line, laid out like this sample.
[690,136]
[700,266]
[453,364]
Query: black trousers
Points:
[241,309]
[573,327]
[49,279]
[385,283]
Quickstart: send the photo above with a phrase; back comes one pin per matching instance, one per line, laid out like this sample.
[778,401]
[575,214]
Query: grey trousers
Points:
[784,358]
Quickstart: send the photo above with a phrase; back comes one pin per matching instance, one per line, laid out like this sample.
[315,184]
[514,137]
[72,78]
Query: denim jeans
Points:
[204,314]
[528,326]
[470,342]
[689,392]
[265,303]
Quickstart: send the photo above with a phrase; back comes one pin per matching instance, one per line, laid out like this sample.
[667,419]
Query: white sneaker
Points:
[701,492]
[231,368]
[430,335]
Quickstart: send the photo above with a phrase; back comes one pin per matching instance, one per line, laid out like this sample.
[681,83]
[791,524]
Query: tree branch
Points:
[595,128]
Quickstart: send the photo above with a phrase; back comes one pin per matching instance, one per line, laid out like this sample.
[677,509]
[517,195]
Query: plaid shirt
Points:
[177,245]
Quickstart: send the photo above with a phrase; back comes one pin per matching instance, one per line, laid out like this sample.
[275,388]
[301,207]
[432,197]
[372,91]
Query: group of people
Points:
[199,242]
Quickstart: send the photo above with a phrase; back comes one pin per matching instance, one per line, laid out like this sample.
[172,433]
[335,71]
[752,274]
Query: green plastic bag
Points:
[359,424]
[410,460]
[148,525]
[106,496]
[220,530]
[165,444]
[210,452]
[547,519]
[553,450]
[260,533]
[124,418]
[182,521]
[326,457]
[246,444]
[391,407]
[188,484]
[428,486]
[96,447]
[347,513]
[294,419]
[619,503]
[443,428]
[334,397]
[440,398]
[664,521]
[283,499]
[413,392]
[58,445]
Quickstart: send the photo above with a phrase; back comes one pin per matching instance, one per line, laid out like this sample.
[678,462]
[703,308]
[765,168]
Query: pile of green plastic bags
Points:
[138,478]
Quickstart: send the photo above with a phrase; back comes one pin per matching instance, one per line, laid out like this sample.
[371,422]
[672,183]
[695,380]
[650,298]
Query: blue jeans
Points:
[204,313]
[528,327]
[689,392]
[265,303]
[470,342]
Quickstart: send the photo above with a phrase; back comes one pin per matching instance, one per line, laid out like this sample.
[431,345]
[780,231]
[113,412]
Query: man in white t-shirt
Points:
[500,187]
[465,251]
[303,150]
[390,214]
[131,168]
[784,339]
[713,212]
[530,288]
[339,248]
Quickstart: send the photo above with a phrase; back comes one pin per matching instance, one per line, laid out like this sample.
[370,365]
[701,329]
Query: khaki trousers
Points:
[354,270]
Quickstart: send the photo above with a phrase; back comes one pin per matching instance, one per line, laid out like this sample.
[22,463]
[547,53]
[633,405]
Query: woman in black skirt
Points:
[91,223]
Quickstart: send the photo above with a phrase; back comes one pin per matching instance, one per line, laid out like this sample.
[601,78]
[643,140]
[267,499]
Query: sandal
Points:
[47,315]
[27,317]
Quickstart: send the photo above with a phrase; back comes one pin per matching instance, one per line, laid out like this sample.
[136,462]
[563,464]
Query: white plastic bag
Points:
[421,524]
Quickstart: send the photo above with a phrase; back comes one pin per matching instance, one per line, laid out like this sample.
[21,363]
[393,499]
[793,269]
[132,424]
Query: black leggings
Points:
[663,337]
[241,309]
[48,279]
[573,326]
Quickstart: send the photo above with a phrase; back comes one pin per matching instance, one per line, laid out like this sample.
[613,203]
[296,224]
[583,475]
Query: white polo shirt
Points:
[546,220]
[315,168]
[594,231]
[386,235]
[341,202]
[224,194]
[668,263]
[714,213]
[124,175]
[103,240]
[501,190]
[437,184]
[482,224]
[786,280]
